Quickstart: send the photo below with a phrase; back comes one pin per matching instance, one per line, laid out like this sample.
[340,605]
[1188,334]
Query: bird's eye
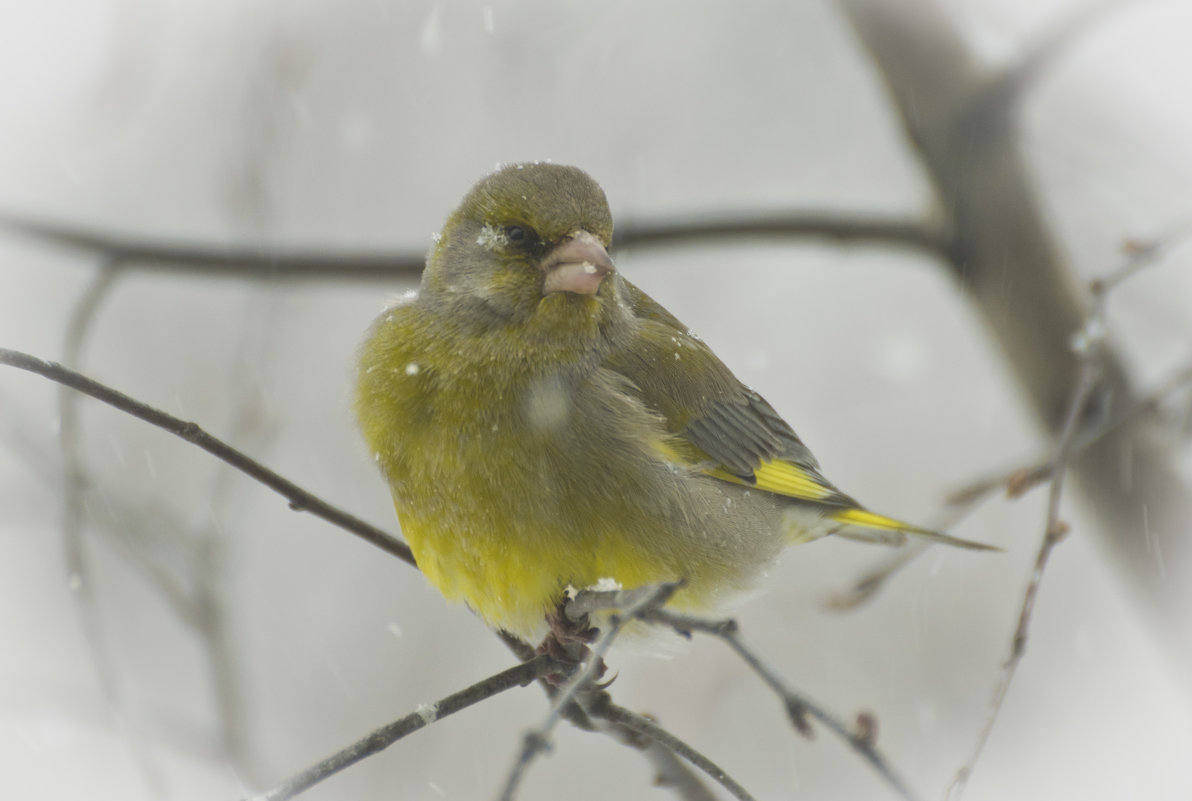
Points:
[517,235]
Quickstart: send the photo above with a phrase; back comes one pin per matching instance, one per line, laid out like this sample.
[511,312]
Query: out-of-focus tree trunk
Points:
[961,118]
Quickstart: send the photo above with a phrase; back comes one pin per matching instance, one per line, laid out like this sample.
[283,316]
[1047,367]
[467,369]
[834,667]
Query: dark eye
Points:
[517,235]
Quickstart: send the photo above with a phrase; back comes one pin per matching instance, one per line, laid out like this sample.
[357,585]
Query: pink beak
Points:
[577,265]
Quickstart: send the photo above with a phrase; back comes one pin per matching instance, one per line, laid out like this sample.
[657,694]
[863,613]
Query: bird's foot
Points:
[567,641]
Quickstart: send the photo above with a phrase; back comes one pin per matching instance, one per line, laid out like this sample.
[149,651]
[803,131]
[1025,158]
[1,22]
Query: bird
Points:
[544,425]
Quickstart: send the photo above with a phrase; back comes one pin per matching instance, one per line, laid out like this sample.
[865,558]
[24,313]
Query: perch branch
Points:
[382,738]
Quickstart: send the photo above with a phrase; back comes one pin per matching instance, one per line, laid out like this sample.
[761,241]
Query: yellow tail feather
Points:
[860,524]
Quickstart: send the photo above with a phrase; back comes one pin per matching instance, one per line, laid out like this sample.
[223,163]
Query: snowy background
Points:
[357,126]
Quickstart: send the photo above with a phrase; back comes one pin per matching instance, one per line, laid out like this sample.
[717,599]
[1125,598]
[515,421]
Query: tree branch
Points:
[237,261]
[1006,258]
[312,264]
[535,741]
[382,738]
[861,737]
[838,228]
[300,499]
[641,725]
[1054,531]
[1020,480]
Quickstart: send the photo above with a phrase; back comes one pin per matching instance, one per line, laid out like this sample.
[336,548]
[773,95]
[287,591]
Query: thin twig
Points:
[1012,483]
[672,759]
[1053,532]
[537,740]
[645,727]
[382,738]
[299,499]
[1020,480]
[665,750]
[798,707]
[672,772]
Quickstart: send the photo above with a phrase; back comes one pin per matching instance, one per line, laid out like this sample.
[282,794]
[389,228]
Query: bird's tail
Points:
[859,524]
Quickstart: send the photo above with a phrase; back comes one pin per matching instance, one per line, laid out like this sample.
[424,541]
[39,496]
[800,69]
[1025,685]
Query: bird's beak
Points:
[577,264]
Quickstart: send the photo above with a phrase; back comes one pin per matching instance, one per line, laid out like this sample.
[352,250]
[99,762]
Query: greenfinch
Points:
[543,424]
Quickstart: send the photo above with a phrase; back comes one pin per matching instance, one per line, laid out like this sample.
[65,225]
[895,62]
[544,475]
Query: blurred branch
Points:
[231,260]
[382,738]
[1006,258]
[964,126]
[1088,346]
[1012,483]
[305,263]
[1021,480]
[78,574]
[1002,91]
[838,228]
[300,499]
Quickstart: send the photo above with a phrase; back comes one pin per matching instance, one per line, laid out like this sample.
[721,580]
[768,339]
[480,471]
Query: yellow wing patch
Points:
[783,478]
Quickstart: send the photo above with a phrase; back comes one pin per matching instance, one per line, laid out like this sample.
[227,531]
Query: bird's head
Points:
[526,235]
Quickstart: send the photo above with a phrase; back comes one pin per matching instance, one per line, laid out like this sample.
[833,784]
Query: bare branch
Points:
[638,602]
[666,753]
[310,264]
[1006,257]
[798,707]
[1012,483]
[1054,531]
[648,728]
[1020,480]
[839,228]
[671,772]
[232,260]
[1001,95]
[382,738]
[299,499]
[1088,344]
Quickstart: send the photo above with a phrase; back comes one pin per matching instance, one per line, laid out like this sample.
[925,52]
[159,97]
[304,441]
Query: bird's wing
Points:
[728,431]
[721,426]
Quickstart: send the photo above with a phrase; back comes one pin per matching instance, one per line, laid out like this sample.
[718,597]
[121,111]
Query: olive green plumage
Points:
[543,423]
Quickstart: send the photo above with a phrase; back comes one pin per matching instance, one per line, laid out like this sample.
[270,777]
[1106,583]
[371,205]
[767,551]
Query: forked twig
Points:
[1054,531]
[861,737]
[1018,481]
[536,741]
[1087,344]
